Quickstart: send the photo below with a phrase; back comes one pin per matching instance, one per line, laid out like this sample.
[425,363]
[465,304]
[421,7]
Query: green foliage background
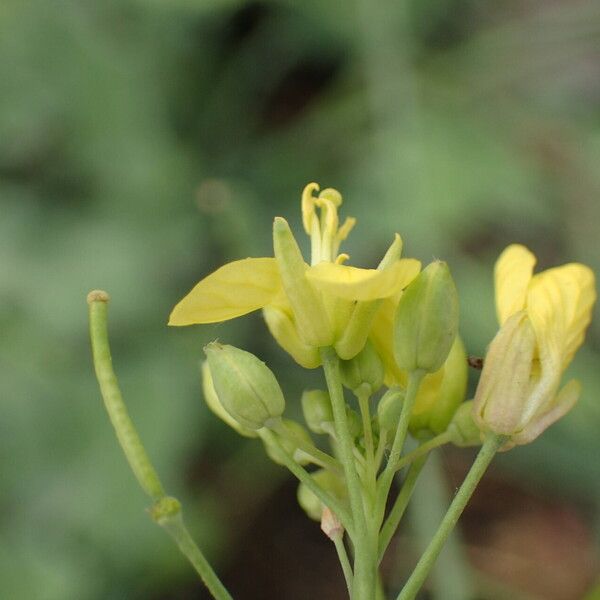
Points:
[145,142]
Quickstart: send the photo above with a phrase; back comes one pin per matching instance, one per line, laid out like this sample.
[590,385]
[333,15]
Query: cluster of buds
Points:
[385,325]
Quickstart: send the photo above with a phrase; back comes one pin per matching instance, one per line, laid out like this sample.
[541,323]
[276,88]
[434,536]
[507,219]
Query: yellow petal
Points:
[512,275]
[352,283]
[381,337]
[235,289]
[559,304]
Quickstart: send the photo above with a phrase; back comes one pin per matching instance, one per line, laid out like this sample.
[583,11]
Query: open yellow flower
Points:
[543,319]
[305,307]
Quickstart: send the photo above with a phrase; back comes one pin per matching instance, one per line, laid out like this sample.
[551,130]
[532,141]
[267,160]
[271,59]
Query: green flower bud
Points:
[245,386]
[389,409]
[365,369]
[274,452]
[426,320]
[463,430]
[354,423]
[440,393]
[311,318]
[328,481]
[212,401]
[318,414]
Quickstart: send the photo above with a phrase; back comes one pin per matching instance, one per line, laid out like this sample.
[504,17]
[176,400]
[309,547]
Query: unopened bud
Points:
[365,369]
[463,430]
[245,386]
[389,409]
[426,320]
[212,401]
[328,481]
[318,414]
[440,393]
[354,423]
[288,444]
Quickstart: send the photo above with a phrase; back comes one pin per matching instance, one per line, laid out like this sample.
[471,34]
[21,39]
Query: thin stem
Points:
[427,560]
[423,449]
[304,477]
[385,480]
[380,449]
[176,528]
[393,520]
[166,510]
[340,547]
[364,567]
[363,403]
[317,456]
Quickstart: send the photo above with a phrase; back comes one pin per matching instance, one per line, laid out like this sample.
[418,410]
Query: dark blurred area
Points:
[143,143]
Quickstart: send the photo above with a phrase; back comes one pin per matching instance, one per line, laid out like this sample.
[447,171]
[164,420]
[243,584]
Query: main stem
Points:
[135,452]
[365,550]
[427,560]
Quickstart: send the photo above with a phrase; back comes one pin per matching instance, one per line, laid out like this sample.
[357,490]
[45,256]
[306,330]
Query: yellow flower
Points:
[305,307]
[543,319]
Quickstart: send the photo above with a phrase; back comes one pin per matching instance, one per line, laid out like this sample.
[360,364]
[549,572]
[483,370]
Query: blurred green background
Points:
[145,142]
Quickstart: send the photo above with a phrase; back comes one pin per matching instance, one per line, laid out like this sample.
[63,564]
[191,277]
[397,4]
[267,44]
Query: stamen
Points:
[332,195]
[308,206]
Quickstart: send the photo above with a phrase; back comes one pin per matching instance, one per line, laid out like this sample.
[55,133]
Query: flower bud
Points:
[212,401]
[318,414]
[288,444]
[245,386]
[283,329]
[504,387]
[389,409]
[463,430]
[440,393]
[426,320]
[328,481]
[365,369]
[311,318]
[354,423]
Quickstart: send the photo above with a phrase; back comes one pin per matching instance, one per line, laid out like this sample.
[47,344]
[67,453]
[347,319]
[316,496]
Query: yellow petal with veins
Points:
[235,289]
[352,283]
[512,274]
[559,304]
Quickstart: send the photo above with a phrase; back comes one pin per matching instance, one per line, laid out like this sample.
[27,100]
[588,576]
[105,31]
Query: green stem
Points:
[340,547]
[166,510]
[304,477]
[385,480]
[176,528]
[364,547]
[423,449]
[380,449]
[427,560]
[393,520]
[363,403]
[317,456]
